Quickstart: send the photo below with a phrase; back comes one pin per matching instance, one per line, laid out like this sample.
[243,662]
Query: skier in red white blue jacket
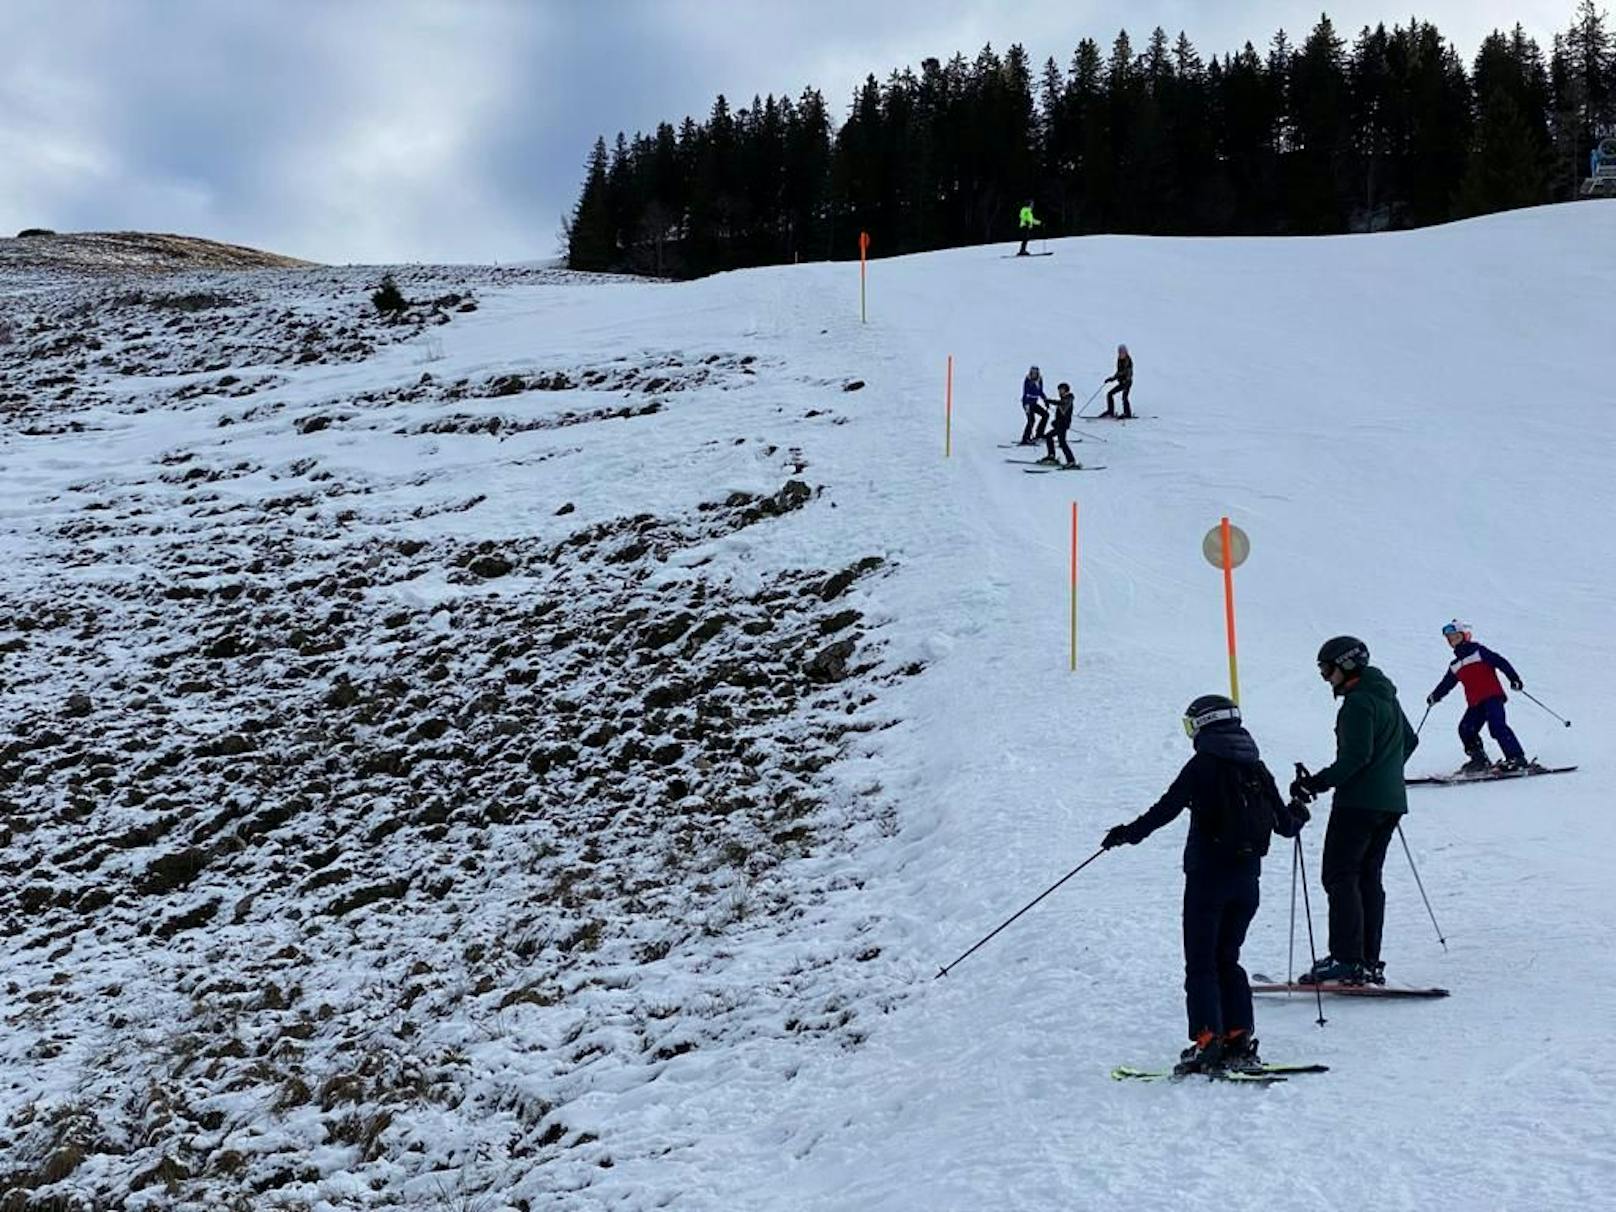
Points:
[1476,668]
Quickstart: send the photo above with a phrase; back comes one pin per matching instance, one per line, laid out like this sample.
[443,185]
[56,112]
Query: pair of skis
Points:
[1047,468]
[1265,984]
[1262,1075]
[1485,776]
[1037,467]
[1267,1075]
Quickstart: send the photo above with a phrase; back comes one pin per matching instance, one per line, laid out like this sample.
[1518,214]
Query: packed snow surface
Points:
[581,723]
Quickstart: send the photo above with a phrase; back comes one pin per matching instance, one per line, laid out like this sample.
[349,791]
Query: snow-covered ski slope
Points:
[1409,427]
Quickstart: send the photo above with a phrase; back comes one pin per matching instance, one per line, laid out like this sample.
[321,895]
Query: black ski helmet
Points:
[1210,709]
[1346,653]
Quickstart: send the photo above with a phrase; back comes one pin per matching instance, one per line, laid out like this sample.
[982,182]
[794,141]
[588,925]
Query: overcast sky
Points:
[414,130]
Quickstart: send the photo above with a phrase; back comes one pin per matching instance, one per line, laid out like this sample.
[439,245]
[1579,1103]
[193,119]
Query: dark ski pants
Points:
[1022,252]
[1035,413]
[1355,843]
[1110,399]
[1489,712]
[1219,903]
[1058,434]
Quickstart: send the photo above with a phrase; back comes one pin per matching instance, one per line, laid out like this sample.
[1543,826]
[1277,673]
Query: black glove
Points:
[1301,789]
[1516,684]
[1118,835]
[1431,699]
[1288,821]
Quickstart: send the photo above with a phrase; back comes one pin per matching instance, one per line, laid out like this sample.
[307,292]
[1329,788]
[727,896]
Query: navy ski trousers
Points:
[1219,902]
[1489,712]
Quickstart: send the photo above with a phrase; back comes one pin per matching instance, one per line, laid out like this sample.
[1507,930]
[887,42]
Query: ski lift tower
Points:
[1601,180]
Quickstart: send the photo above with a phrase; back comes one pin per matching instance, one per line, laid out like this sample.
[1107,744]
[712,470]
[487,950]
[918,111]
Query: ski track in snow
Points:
[1409,427]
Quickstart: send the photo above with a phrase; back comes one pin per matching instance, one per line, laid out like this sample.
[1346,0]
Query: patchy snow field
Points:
[537,754]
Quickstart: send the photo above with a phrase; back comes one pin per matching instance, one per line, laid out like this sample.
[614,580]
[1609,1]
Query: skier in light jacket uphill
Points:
[1028,222]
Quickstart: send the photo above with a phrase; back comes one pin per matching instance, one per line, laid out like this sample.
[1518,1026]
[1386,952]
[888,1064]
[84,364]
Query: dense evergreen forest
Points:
[1389,131]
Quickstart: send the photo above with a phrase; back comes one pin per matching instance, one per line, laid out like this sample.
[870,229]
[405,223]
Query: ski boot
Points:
[1476,762]
[1334,972]
[1074,465]
[1048,459]
[1516,765]
[1205,1055]
[1375,972]
[1240,1052]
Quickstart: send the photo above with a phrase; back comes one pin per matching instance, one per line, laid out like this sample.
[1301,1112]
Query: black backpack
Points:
[1243,820]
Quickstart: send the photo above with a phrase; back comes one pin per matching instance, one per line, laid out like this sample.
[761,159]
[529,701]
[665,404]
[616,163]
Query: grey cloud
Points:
[458,129]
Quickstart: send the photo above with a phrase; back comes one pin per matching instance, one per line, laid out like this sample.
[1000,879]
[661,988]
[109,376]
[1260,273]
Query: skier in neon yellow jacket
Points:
[1028,222]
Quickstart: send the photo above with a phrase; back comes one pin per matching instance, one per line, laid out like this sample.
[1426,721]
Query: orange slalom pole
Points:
[948,410]
[1074,586]
[1228,610]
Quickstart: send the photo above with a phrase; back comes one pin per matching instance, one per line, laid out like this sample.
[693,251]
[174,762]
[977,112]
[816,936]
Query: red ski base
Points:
[1261,984]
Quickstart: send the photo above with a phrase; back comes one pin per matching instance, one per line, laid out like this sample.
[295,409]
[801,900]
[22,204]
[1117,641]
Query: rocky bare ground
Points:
[350,832]
[124,252]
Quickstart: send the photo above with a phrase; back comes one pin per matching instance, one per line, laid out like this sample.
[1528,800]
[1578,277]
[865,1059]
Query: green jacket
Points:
[1373,739]
[1027,219]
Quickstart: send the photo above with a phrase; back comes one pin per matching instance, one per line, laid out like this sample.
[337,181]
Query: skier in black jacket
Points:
[1124,384]
[1234,806]
[1059,426]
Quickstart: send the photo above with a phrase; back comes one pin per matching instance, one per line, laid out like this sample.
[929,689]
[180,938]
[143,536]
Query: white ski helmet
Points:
[1455,627]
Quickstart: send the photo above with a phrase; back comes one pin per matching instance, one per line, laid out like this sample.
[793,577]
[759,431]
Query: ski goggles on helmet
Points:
[1455,628]
[1194,723]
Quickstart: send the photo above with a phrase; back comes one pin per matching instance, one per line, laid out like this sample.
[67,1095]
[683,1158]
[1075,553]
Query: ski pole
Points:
[1420,885]
[1096,437]
[1301,864]
[1546,707]
[1423,718]
[1090,400]
[943,971]
[1290,956]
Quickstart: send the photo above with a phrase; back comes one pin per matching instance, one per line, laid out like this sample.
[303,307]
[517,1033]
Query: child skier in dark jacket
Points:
[1476,668]
[1234,806]
[1059,426]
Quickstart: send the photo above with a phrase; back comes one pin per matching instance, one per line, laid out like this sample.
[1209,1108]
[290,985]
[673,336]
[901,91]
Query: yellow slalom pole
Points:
[1074,586]
[1228,609]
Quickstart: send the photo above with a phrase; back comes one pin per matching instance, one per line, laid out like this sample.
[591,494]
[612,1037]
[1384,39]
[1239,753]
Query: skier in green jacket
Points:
[1373,740]
[1028,222]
